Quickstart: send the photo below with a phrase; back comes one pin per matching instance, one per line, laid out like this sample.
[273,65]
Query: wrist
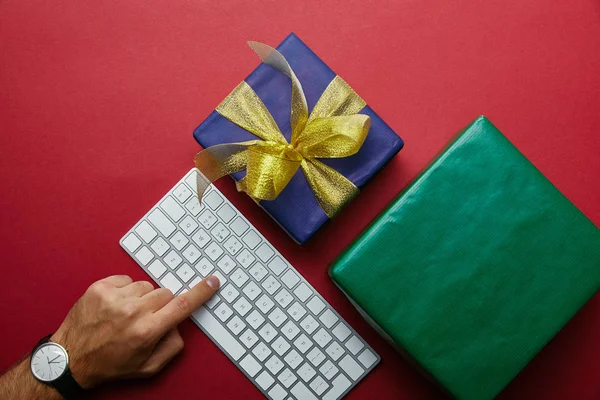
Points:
[77,365]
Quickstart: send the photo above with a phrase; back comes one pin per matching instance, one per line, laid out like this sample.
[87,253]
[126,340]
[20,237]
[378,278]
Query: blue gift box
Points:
[296,210]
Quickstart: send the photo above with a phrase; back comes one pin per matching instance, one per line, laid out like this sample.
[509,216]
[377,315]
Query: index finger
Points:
[183,305]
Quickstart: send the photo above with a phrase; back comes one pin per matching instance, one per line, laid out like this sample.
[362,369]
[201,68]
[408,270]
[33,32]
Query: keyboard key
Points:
[334,350]
[341,331]
[207,219]
[315,305]
[303,292]
[226,213]
[170,282]
[157,268]
[309,324]
[144,255]
[145,231]
[306,372]
[258,272]
[280,345]
[354,344]
[172,259]
[239,226]
[193,206]
[274,364]
[293,358]
[242,306]
[302,392]
[249,338]
[251,239]
[226,264]
[223,312]
[220,276]
[245,258]
[131,242]
[264,303]
[340,385]
[290,330]
[287,378]
[204,267]
[284,298]
[264,252]
[159,246]
[239,277]
[233,245]
[236,325]
[322,337]
[161,222]
[182,193]
[218,333]
[179,240]
[277,392]
[290,278]
[188,224]
[185,273]
[265,380]
[172,208]
[315,356]
[220,232]
[267,332]
[252,291]
[229,293]
[191,180]
[191,253]
[213,301]
[271,284]
[277,317]
[367,358]
[213,200]
[201,238]
[328,370]
[250,365]
[277,265]
[303,343]
[261,351]
[213,251]
[328,318]
[195,281]
[296,311]
[255,319]
[319,385]
[351,367]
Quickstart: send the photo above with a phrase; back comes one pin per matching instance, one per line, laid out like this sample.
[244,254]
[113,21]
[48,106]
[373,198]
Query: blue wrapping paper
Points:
[296,210]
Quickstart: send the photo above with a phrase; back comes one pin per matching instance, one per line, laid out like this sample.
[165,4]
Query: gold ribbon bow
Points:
[333,130]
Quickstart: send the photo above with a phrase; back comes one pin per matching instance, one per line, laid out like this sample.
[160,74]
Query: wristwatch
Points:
[50,365]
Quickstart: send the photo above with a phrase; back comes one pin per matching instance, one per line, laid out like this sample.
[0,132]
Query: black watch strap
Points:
[66,385]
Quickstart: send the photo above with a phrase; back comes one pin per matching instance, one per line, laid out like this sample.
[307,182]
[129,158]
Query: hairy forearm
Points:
[19,384]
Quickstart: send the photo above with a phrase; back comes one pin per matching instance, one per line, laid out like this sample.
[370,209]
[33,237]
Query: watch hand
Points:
[50,362]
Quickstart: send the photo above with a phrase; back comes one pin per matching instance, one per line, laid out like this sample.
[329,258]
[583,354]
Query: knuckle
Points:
[143,333]
[129,310]
[146,285]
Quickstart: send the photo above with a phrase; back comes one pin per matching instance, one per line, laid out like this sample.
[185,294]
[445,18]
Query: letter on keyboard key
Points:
[171,283]
[218,333]
[302,392]
[161,222]
[172,208]
[351,367]
[250,365]
[340,385]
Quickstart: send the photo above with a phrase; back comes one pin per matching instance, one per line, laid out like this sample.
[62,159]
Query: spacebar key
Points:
[218,333]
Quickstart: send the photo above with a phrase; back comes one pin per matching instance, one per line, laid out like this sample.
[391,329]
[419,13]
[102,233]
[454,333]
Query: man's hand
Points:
[122,329]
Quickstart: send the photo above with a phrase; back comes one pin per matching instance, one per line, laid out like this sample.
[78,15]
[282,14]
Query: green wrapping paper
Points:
[475,267]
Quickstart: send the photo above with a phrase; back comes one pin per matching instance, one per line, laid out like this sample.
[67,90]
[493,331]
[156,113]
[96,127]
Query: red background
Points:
[98,100]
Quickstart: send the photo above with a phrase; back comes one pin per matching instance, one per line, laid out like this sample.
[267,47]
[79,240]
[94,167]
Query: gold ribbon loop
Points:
[333,130]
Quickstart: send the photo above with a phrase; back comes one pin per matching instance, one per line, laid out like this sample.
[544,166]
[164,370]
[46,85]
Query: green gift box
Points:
[475,267]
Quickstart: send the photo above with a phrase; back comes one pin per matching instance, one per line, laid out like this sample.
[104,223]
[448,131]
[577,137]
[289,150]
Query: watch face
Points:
[49,362]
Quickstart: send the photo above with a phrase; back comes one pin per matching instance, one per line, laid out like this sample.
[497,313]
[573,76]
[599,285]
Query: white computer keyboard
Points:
[266,317]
